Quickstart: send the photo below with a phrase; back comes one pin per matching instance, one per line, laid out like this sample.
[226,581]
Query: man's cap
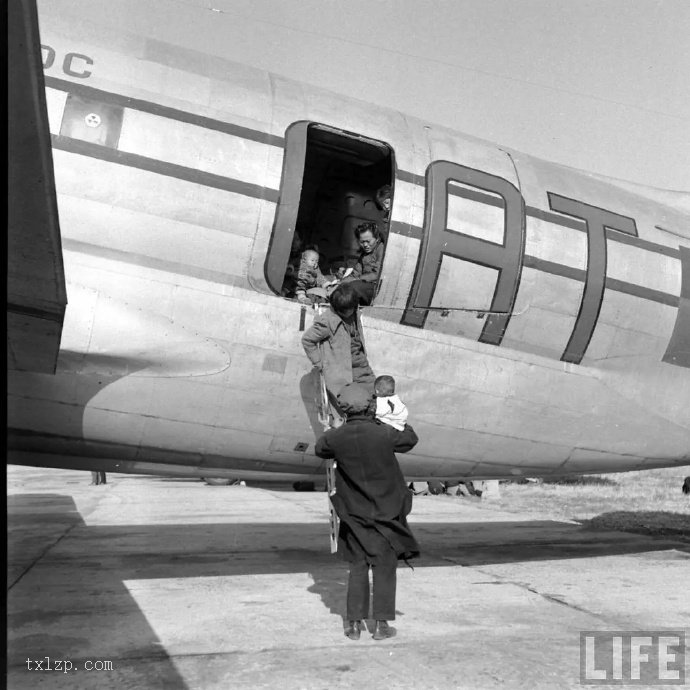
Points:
[353,398]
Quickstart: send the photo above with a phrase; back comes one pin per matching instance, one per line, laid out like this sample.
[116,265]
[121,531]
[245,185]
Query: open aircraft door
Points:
[329,184]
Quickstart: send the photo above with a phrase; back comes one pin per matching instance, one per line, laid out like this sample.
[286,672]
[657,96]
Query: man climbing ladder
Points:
[335,346]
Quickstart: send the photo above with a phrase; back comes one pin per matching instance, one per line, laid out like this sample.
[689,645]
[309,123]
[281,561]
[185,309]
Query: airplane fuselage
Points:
[536,318]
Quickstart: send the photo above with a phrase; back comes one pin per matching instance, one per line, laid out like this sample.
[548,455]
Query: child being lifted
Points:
[389,408]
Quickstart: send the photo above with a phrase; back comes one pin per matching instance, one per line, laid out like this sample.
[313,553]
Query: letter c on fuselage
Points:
[68,65]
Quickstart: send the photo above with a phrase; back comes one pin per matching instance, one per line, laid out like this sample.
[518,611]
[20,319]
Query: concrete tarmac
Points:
[149,582]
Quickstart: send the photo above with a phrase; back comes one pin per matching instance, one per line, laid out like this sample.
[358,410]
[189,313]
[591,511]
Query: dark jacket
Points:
[368,266]
[372,499]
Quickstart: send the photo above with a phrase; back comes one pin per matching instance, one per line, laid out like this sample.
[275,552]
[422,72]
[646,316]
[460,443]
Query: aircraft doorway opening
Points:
[330,183]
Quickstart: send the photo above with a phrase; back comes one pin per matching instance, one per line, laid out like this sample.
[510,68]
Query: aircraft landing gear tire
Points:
[218,481]
[303,486]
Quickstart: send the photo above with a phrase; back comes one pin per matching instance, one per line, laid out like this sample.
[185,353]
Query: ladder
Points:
[325,420]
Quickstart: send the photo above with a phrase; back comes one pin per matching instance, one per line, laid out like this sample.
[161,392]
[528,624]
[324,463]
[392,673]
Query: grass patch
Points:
[589,498]
[583,480]
[645,522]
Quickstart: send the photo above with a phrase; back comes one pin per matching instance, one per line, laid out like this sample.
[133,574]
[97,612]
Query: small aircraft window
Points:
[333,182]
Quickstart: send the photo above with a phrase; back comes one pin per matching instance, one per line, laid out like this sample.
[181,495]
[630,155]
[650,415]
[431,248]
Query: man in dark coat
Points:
[372,501]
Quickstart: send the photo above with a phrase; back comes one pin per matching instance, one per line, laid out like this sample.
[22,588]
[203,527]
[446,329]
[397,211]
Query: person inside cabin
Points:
[378,208]
[292,269]
[390,409]
[334,344]
[364,276]
[383,200]
[309,276]
[372,502]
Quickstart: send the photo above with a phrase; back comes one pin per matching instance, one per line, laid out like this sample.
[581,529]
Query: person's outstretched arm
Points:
[404,440]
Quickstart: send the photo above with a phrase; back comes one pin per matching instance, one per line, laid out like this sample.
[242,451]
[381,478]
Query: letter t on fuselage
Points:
[596,221]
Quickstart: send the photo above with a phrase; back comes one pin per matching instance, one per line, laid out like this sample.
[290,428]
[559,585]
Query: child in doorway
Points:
[389,408]
[309,277]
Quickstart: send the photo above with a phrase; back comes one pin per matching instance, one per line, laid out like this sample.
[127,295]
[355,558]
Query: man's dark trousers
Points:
[384,582]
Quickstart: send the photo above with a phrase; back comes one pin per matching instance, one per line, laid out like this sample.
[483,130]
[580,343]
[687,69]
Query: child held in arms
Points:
[390,409]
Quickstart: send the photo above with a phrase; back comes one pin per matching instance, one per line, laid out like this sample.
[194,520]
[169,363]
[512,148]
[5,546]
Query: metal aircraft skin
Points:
[536,318]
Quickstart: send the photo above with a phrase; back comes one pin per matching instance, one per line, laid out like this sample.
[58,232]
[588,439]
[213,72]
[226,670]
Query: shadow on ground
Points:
[48,542]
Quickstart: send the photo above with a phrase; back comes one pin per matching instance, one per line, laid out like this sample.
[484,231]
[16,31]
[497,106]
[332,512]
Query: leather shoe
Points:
[382,630]
[353,630]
